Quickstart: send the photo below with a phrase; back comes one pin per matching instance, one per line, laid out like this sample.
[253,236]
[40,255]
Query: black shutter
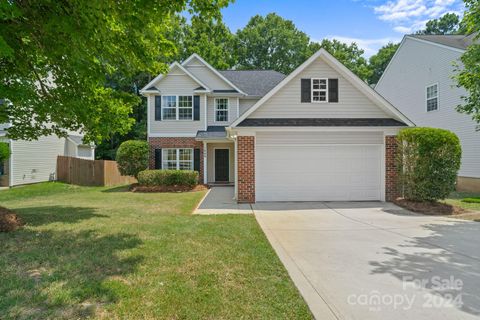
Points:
[196,107]
[196,160]
[158,108]
[158,158]
[332,90]
[305,90]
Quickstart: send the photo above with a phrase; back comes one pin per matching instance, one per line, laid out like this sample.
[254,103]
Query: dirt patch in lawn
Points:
[139,188]
[430,207]
[9,221]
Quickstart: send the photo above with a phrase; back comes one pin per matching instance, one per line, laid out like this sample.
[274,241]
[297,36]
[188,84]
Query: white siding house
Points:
[423,62]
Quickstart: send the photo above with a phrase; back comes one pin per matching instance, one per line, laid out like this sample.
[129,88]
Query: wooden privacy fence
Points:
[90,172]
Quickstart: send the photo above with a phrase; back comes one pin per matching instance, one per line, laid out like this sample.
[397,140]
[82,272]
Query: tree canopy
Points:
[378,62]
[469,75]
[56,58]
[449,23]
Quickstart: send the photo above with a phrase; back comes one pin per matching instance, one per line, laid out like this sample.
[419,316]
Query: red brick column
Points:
[391,182]
[246,169]
[175,142]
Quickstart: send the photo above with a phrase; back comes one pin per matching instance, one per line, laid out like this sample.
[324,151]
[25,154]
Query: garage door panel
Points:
[318,172]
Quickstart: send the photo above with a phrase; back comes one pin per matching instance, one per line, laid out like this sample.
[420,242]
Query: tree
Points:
[4,151]
[132,157]
[56,57]
[469,75]
[271,42]
[449,23]
[379,61]
[348,54]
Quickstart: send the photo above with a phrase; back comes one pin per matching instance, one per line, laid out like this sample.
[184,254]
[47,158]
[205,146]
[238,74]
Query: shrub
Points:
[168,178]
[471,200]
[428,161]
[4,151]
[132,157]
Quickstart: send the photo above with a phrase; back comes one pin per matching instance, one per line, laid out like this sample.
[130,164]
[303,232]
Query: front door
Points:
[222,165]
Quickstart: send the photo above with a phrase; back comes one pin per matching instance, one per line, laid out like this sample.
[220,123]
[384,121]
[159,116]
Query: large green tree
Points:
[378,62]
[449,23]
[56,58]
[469,75]
[271,42]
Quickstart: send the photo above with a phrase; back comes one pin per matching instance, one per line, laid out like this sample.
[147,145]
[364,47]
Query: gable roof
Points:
[254,82]
[150,87]
[196,56]
[461,42]
[345,72]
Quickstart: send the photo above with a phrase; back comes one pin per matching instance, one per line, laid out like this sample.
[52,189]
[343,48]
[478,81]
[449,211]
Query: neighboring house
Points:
[36,161]
[419,82]
[318,134]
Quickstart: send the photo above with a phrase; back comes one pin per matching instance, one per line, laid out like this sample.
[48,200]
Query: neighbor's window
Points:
[319,90]
[177,107]
[2,168]
[177,159]
[221,109]
[432,97]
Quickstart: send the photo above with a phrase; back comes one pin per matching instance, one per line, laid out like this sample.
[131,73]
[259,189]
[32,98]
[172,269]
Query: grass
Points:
[458,199]
[104,253]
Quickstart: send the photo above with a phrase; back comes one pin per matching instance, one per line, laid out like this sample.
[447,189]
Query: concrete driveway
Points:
[375,260]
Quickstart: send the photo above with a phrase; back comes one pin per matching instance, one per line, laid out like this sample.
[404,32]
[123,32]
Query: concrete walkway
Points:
[375,260]
[220,200]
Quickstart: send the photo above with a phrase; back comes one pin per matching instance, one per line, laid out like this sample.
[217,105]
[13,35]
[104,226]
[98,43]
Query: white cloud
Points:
[370,46]
[408,16]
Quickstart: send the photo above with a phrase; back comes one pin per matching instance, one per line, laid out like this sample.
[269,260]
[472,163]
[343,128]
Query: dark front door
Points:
[221,165]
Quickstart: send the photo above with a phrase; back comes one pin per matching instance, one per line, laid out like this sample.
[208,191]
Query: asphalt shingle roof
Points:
[454,41]
[321,122]
[254,82]
[213,132]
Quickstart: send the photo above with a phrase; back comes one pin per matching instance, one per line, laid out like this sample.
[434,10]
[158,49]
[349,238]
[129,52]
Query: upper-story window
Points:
[432,97]
[221,109]
[177,107]
[319,90]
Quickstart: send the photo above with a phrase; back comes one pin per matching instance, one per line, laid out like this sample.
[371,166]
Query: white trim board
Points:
[345,72]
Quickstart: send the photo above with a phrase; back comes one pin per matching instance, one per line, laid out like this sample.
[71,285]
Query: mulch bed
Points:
[9,221]
[138,188]
[430,208]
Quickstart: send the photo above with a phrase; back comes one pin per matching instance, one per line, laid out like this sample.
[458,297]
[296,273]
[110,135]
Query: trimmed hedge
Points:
[132,157]
[428,161]
[168,178]
[4,151]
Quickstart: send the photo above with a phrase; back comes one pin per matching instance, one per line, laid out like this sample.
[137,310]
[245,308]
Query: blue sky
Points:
[370,23]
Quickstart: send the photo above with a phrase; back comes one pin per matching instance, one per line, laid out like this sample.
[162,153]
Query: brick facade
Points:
[391,183]
[246,169]
[175,142]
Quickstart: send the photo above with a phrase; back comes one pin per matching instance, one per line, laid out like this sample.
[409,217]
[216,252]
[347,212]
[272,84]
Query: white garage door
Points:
[318,167]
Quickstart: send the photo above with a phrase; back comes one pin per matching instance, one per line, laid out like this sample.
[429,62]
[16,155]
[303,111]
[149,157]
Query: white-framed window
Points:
[177,107]
[432,97]
[221,109]
[319,90]
[177,159]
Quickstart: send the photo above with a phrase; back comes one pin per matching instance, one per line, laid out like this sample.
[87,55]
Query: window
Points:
[432,97]
[2,168]
[177,159]
[221,109]
[177,107]
[319,90]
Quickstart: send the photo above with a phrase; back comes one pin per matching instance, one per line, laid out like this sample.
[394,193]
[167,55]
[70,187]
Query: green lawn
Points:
[455,199]
[89,252]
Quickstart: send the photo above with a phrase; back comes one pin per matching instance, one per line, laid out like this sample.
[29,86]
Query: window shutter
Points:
[196,160]
[158,108]
[332,90]
[306,90]
[196,107]
[158,158]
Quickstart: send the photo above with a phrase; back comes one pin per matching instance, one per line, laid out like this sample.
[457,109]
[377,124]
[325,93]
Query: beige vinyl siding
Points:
[316,138]
[70,149]
[286,102]
[35,161]
[176,85]
[232,111]
[211,160]
[207,76]
[85,152]
[417,65]
[246,104]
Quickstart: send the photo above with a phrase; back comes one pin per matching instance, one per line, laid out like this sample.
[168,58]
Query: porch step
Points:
[221,184]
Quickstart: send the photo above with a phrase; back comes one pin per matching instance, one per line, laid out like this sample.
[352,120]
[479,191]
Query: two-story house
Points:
[419,81]
[317,134]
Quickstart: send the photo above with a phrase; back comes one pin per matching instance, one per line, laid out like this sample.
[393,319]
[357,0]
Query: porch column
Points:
[205,164]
